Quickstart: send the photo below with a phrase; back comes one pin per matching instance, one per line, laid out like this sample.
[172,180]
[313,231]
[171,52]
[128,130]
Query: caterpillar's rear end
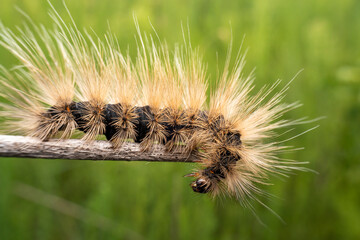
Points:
[70,82]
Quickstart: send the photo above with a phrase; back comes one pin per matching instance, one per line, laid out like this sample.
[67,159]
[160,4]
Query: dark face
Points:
[200,185]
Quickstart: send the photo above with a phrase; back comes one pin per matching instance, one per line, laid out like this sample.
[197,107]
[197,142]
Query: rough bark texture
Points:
[19,146]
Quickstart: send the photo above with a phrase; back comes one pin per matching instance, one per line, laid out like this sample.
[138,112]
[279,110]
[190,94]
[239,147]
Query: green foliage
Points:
[152,200]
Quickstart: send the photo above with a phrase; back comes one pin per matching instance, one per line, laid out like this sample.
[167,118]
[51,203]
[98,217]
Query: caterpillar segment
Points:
[121,124]
[73,82]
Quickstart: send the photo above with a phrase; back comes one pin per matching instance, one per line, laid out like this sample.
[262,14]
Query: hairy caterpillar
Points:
[70,81]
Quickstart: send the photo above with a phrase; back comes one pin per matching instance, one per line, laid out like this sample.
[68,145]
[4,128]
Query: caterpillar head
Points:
[206,180]
[201,185]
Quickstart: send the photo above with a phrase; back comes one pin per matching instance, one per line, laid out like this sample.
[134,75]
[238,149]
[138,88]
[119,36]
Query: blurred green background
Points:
[58,199]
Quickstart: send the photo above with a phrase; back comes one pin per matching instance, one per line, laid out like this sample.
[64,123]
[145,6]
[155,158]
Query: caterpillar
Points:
[71,82]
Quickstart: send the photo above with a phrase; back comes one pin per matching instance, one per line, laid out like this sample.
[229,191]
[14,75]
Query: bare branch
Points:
[19,146]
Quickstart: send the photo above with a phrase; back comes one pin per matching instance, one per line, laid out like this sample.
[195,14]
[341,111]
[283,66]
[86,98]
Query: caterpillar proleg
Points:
[69,81]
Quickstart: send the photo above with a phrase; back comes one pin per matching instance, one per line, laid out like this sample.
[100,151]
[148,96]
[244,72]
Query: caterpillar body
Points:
[70,81]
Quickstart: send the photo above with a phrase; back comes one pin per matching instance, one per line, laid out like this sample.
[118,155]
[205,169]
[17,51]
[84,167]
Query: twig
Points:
[19,146]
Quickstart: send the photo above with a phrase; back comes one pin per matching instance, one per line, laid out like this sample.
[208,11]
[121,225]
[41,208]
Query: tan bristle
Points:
[45,80]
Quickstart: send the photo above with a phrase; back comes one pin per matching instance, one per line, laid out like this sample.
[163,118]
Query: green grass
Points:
[152,200]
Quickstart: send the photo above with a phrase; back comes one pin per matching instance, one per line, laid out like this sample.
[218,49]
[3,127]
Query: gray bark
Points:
[28,147]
